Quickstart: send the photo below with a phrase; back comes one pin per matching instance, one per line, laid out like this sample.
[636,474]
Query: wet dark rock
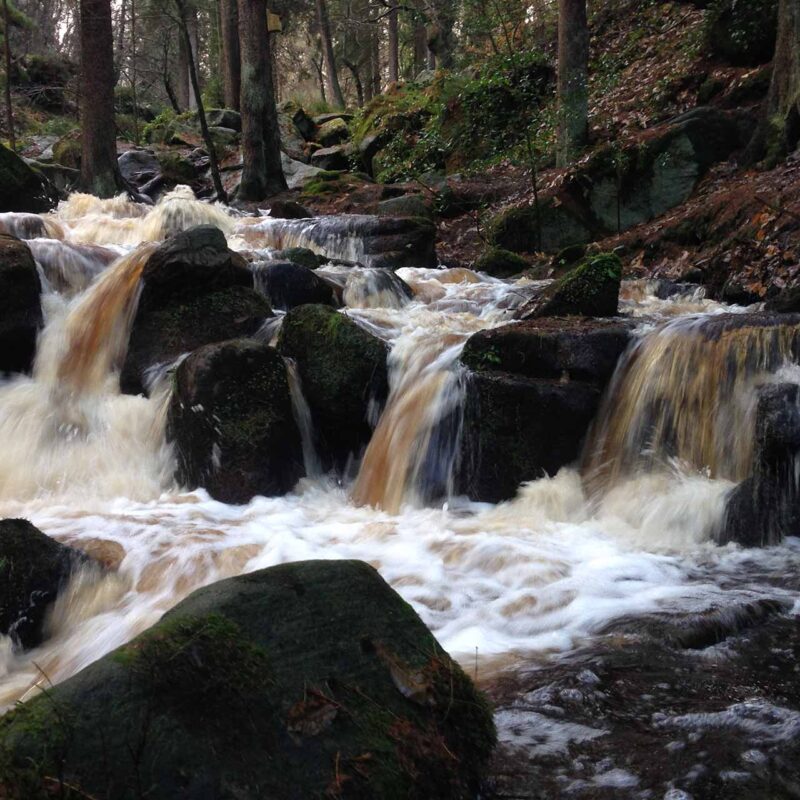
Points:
[301,680]
[500,263]
[551,227]
[62,179]
[304,124]
[734,293]
[139,166]
[20,305]
[410,205]
[519,429]
[288,209]
[300,255]
[195,291]
[743,33]
[23,188]
[591,289]
[532,393]
[287,285]
[765,508]
[335,157]
[786,302]
[231,420]
[343,373]
[176,168]
[572,349]
[671,722]
[33,570]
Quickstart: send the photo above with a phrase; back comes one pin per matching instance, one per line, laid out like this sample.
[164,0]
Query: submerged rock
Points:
[195,291]
[306,680]
[287,285]
[344,376]
[20,305]
[591,290]
[533,391]
[33,570]
[231,420]
[765,508]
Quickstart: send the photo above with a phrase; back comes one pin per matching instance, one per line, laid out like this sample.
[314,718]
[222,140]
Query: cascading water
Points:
[686,393]
[537,574]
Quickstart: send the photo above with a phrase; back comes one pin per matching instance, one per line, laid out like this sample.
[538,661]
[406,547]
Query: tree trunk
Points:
[201,112]
[357,80]
[375,61]
[441,35]
[99,170]
[229,12]
[778,133]
[12,139]
[190,12]
[182,91]
[420,47]
[394,44]
[262,174]
[331,75]
[573,94]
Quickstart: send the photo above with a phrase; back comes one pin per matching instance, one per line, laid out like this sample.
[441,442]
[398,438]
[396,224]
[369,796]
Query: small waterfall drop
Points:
[302,416]
[685,393]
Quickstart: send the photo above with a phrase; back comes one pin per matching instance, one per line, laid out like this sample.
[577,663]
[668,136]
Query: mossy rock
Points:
[500,263]
[550,227]
[33,570]
[231,420]
[175,168]
[67,151]
[333,132]
[344,374]
[743,33]
[300,255]
[591,290]
[410,205]
[308,680]
[195,292]
[20,305]
[23,188]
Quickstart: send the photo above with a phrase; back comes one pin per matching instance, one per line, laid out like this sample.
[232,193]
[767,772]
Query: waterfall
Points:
[30,226]
[685,393]
[68,429]
[69,268]
[302,416]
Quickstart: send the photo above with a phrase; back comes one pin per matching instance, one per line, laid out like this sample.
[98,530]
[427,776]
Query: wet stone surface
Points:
[637,715]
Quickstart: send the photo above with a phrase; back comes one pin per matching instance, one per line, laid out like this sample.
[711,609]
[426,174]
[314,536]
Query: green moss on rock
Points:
[500,263]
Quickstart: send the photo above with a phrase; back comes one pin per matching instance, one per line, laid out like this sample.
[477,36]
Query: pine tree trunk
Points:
[573,94]
[375,61]
[778,133]
[12,139]
[229,13]
[420,47]
[262,174]
[394,44]
[181,83]
[332,76]
[99,170]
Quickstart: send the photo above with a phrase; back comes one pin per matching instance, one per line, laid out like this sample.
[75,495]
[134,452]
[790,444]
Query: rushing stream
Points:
[497,584]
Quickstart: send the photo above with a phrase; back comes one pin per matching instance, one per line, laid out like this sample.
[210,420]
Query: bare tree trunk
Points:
[332,76]
[573,94]
[375,60]
[201,112]
[431,59]
[182,90]
[420,47]
[133,74]
[441,35]
[190,12]
[357,80]
[262,173]
[394,44]
[99,170]
[12,139]
[320,76]
[229,12]
[778,133]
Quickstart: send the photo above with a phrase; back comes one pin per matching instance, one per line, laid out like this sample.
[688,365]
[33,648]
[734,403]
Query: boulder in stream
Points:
[33,570]
[195,291]
[231,420]
[305,680]
[287,285]
[765,507]
[532,393]
[20,305]
[23,188]
[343,372]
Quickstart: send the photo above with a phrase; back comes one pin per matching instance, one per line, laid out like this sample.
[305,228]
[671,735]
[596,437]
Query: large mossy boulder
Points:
[33,570]
[333,132]
[306,680]
[742,33]
[532,392]
[303,122]
[589,290]
[287,285]
[231,420]
[23,188]
[20,305]
[195,291]
[621,186]
[765,507]
[343,373]
[500,263]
